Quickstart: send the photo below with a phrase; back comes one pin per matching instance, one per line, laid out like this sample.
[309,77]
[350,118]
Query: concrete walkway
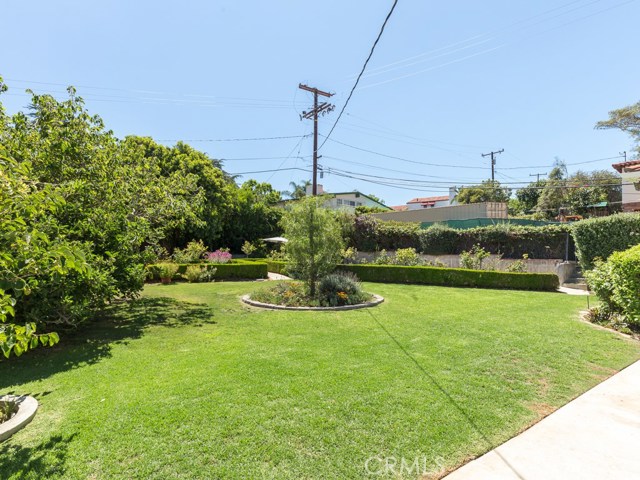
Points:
[573,291]
[277,276]
[596,436]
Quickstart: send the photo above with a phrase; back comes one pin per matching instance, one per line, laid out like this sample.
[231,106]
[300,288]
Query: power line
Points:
[273,170]
[373,47]
[261,158]
[491,34]
[148,92]
[411,74]
[400,158]
[255,139]
[567,164]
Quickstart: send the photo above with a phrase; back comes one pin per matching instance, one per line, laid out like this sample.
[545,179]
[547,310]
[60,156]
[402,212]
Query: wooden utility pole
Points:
[322,108]
[537,175]
[493,162]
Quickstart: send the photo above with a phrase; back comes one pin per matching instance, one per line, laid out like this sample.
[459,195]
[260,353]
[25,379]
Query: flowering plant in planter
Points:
[219,256]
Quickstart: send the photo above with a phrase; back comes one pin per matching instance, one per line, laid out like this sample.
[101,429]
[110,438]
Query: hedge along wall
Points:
[512,241]
[453,277]
[224,271]
[600,237]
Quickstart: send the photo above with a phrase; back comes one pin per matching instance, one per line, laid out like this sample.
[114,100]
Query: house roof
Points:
[400,208]
[428,199]
[631,165]
[359,193]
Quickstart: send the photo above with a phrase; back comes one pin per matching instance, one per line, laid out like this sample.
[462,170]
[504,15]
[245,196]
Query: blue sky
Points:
[447,82]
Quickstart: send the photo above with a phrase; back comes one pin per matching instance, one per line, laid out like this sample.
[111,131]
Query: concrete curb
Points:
[27,407]
[377,300]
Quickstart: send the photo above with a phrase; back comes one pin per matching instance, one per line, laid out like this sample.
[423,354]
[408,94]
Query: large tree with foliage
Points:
[314,240]
[35,256]
[590,188]
[626,119]
[553,195]
[252,214]
[487,191]
[528,196]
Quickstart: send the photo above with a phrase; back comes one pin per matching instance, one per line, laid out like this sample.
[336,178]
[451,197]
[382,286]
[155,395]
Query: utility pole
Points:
[493,162]
[537,175]
[624,154]
[322,108]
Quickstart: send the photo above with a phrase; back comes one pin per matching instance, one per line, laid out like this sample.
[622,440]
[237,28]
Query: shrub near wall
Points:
[512,241]
[617,283]
[453,277]
[238,270]
[600,237]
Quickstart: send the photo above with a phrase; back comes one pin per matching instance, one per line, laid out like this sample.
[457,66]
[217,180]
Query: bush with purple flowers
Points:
[219,256]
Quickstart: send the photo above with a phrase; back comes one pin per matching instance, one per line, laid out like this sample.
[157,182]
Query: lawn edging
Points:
[27,407]
[453,277]
[377,300]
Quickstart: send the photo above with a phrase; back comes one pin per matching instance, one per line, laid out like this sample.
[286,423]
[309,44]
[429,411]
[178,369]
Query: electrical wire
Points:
[400,158]
[364,66]
[256,139]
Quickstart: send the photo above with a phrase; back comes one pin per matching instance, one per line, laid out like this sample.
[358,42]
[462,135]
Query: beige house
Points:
[344,200]
[630,173]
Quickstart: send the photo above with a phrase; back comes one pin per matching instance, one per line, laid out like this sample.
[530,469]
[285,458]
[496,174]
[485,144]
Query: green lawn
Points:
[189,383]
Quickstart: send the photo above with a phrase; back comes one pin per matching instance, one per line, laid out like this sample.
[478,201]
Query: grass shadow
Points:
[119,323]
[46,460]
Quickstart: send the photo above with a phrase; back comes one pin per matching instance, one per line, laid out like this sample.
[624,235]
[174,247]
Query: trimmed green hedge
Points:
[277,267]
[510,240]
[236,270]
[453,277]
[600,237]
[617,283]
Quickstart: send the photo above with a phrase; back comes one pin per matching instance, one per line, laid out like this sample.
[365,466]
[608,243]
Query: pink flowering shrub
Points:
[219,256]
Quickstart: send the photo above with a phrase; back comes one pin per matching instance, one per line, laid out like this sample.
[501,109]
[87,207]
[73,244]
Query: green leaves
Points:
[18,339]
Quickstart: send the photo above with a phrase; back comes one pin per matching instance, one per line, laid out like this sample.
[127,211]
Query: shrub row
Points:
[600,237]
[225,271]
[617,283]
[453,277]
[512,241]
[277,267]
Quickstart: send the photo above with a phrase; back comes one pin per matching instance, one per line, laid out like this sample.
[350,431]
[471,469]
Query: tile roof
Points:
[631,163]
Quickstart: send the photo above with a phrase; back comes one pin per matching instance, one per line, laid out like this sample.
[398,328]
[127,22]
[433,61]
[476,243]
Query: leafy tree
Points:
[528,196]
[251,214]
[298,190]
[200,191]
[314,241]
[32,253]
[376,198]
[554,193]
[362,210]
[117,202]
[487,191]
[589,188]
[626,119]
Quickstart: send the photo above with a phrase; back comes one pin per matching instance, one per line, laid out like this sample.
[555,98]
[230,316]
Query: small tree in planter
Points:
[314,241]
[166,271]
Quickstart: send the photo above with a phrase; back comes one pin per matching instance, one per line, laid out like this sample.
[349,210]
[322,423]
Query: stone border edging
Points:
[27,407]
[377,300]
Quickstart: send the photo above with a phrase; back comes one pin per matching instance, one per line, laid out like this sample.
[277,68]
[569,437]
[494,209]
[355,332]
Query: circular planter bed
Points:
[377,300]
[27,407]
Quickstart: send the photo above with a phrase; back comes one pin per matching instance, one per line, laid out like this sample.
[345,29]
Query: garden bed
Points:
[375,301]
[20,409]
